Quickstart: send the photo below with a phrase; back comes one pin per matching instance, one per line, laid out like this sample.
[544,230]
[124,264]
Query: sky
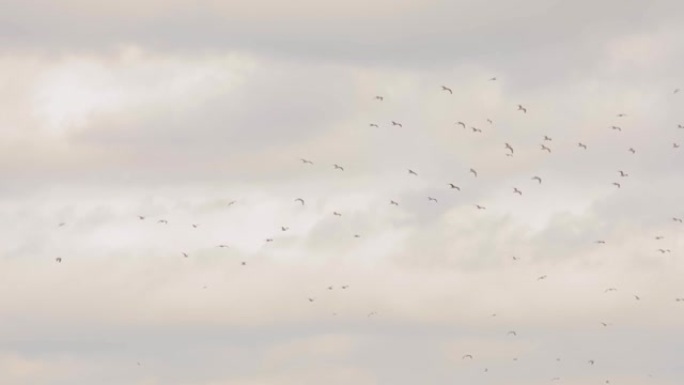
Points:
[200,113]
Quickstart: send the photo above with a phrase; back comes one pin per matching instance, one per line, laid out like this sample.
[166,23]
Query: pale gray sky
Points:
[171,110]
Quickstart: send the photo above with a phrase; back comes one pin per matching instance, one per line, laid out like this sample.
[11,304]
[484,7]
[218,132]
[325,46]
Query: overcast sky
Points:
[173,109]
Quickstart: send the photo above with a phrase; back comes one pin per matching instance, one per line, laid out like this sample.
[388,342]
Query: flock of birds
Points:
[509,151]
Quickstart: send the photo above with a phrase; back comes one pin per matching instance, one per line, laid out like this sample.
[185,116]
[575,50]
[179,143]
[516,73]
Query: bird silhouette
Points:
[338,167]
[516,191]
[185,255]
[521,108]
[142,218]
[394,203]
[300,200]
[547,139]
[432,199]
[544,148]
[283,228]
[461,124]
[508,146]
[623,174]
[373,125]
[616,184]
[380,98]
[335,213]
[467,356]
[445,88]
[584,146]
[453,186]
[58,259]
[472,171]
[616,128]
[412,172]
[305,161]
[632,150]
[480,207]
[396,124]
[538,179]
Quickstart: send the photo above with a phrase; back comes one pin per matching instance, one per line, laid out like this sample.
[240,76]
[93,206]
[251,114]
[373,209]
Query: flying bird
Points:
[396,124]
[584,146]
[678,220]
[610,289]
[521,108]
[632,150]
[58,259]
[621,115]
[467,356]
[475,129]
[616,184]
[185,255]
[141,217]
[636,297]
[601,242]
[617,128]
[658,237]
[544,148]
[454,186]
[394,203]
[542,277]
[512,332]
[432,199]
[623,174]
[508,146]
[547,139]
[445,88]
[461,124]
[300,200]
[61,224]
[194,225]
[269,239]
[380,98]
[311,299]
[591,362]
[373,125]
[412,172]
[163,221]
[335,213]
[472,170]
[675,145]
[480,207]
[338,167]
[490,121]
[537,179]
[676,91]
[283,228]
[492,79]
[223,246]
[516,191]
[305,161]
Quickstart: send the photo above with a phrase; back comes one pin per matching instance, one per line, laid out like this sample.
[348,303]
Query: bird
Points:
[142,218]
[394,203]
[373,125]
[344,287]
[591,362]
[675,145]
[636,297]
[678,220]
[616,128]
[223,246]
[610,289]
[580,144]
[58,259]
[164,221]
[472,170]
[194,225]
[623,174]
[380,98]
[300,200]
[233,202]
[311,299]
[61,224]
[541,278]
[454,186]
[616,184]
[185,255]
[445,88]
[396,124]
[621,115]
[492,79]
[512,332]
[547,139]
[432,199]
[659,237]
[480,207]
[338,167]
[604,324]
[412,172]
[521,108]
[490,121]
[269,239]
[675,91]
[330,287]
[680,126]
[357,236]
[335,213]
[601,242]
[508,146]
[662,251]
[544,148]
[537,179]
[475,129]
[516,191]
[305,161]
[467,356]
[632,150]
[461,124]
[283,228]
[371,314]
[243,263]
[515,258]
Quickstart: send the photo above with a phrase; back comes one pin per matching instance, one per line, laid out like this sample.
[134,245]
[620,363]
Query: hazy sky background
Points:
[173,109]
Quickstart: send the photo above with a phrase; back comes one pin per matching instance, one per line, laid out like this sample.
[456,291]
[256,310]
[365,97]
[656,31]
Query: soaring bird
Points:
[412,172]
[164,221]
[512,332]
[467,356]
[432,199]
[475,129]
[311,299]
[547,139]
[678,220]
[622,173]
[472,170]
[604,324]
[610,289]
[243,263]
[521,108]
[544,148]
[223,246]
[454,186]
[516,191]
[659,237]
[680,126]
[490,121]
[394,203]
[515,258]
[373,125]
[616,184]
[335,213]
[195,225]
[541,278]
[58,259]
[306,161]
[601,242]
[283,228]
[675,145]
[269,239]
[621,115]
[591,362]
[492,79]
[445,88]
[461,124]
[480,207]
[636,297]
[357,236]
[233,202]
[617,128]
[584,146]
[396,124]
[537,179]
[185,255]
[632,150]
[141,217]
[676,91]
[300,200]
[338,167]
[508,146]
[380,98]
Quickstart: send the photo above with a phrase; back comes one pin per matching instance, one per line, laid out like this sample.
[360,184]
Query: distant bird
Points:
[330,287]
[675,145]
[515,258]
[610,289]
[492,79]
[223,246]
[141,217]
[591,362]
[584,146]
[164,221]
[663,251]
[380,98]
[283,228]
[658,237]
[508,146]
[396,124]
[311,299]
[544,148]
[374,125]
[185,255]
[467,356]
[233,202]
[601,242]
[521,108]
[454,186]
[621,115]
[616,184]
[480,207]
[243,263]
[678,220]
[541,278]
[604,324]
[300,200]
[676,91]
[445,88]
[357,236]
[306,161]
[512,332]
[537,179]
[194,225]
[269,239]
[61,224]
[338,167]
[432,199]
[475,129]
[490,121]
[412,172]
[636,297]
[616,128]
[547,139]
[516,191]
[632,150]
[58,259]
[623,174]
[680,126]
[394,203]
[472,170]
[335,213]
[461,124]
[371,314]
[344,287]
